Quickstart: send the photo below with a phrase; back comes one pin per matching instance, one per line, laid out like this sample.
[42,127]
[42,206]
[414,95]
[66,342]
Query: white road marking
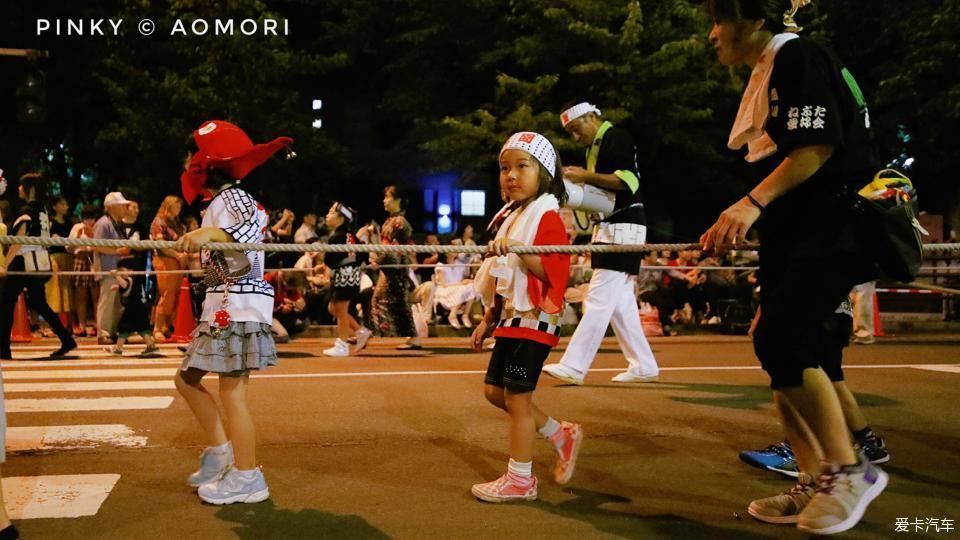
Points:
[942,368]
[145,373]
[42,438]
[91,386]
[60,496]
[87,404]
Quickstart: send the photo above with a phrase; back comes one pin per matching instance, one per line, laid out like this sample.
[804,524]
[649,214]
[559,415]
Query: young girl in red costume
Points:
[233,336]
[523,297]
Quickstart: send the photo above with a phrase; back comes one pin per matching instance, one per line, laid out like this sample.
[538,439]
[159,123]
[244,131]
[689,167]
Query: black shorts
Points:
[516,363]
[339,294]
[798,327]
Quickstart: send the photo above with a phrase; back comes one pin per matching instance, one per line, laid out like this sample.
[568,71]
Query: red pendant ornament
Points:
[221,319]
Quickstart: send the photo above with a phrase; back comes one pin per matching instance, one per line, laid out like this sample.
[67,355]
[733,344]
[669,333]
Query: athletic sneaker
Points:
[785,507]
[874,448]
[565,374]
[363,336]
[236,487]
[149,351]
[339,349]
[114,350]
[843,494]
[212,466]
[630,377]
[572,436]
[504,490]
[776,457]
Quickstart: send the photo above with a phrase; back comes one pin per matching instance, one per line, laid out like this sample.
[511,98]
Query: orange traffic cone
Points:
[21,323]
[877,327]
[186,322]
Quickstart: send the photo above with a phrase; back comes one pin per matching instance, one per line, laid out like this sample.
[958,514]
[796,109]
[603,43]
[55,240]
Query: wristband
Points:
[756,203]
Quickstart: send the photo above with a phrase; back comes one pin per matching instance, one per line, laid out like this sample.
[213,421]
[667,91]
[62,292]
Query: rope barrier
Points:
[377,248]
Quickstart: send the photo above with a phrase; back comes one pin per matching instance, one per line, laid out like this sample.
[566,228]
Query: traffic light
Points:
[32,97]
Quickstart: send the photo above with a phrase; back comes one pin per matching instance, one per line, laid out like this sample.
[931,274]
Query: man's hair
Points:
[769,11]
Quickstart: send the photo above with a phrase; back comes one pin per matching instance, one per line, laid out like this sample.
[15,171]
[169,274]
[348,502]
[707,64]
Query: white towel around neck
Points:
[504,274]
[748,128]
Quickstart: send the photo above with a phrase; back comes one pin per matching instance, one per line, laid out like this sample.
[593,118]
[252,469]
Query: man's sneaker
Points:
[572,436]
[363,336]
[565,374]
[212,466]
[114,350]
[236,487]
[504,490]
[785,507]
[340,348]
[874,448]
[776,457]
[630,377]
[843,494]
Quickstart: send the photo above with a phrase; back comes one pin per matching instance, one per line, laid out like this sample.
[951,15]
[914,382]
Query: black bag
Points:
[890,228]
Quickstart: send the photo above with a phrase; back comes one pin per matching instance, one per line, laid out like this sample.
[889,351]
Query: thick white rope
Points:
[378,248]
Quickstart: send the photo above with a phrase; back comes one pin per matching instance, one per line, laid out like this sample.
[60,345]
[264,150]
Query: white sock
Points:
[225,448]
[550,428]
[247,475]
[523,470]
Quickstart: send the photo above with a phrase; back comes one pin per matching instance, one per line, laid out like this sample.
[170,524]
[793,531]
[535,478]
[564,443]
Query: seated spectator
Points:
[454,290]
[289,304]
[307,233]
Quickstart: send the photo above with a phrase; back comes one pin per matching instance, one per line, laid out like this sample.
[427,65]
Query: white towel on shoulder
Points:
[748,128]
[505,274]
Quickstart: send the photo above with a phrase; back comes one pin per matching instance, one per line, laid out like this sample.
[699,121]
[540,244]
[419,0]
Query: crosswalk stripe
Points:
[42,438]
[56,496]
[54,345]
[93,386]
[88,404]
[158,373]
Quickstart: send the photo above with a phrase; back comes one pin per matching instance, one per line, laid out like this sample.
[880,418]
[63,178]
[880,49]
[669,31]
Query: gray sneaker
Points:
[212,467]
[235,488]
[785,507]
[843,494]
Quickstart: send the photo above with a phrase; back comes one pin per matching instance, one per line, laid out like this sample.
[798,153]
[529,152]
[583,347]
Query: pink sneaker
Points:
[572,435]
[504,490]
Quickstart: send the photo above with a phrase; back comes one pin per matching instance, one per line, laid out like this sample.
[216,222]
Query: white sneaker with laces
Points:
[843,494]
[630,377]
[339,349]
[565,374]
[236,487]
[363,336]
[212,466]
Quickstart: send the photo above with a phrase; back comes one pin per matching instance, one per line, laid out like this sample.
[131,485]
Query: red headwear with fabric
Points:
[223,146]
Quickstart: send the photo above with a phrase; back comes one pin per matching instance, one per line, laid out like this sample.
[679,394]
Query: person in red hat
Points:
[233,335]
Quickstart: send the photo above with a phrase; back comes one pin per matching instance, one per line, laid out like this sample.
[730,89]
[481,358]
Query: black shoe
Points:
[10,533]
[409,347]
[64,349]
[875,449]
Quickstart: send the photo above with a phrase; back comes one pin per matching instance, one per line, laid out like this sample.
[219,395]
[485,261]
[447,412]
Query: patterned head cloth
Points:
[344,210]
[577,111]
[537,146]
[790,25]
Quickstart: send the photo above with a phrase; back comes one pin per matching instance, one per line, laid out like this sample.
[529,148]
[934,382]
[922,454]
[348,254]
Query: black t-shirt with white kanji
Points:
[812,104]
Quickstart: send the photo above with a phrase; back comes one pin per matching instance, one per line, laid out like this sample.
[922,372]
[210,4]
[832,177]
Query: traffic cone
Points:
[21,323]
[186,322]
[877,327]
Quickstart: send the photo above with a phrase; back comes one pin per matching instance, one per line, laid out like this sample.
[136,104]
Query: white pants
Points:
[610,301]
[862,297]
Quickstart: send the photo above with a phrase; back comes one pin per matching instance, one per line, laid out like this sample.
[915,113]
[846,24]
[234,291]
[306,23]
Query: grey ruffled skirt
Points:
[242,346]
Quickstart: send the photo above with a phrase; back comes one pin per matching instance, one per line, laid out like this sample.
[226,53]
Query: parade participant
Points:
[805,126]
[233,336]
[32,221]
[345,288]
[523,300]
[391,307]
[611,165]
